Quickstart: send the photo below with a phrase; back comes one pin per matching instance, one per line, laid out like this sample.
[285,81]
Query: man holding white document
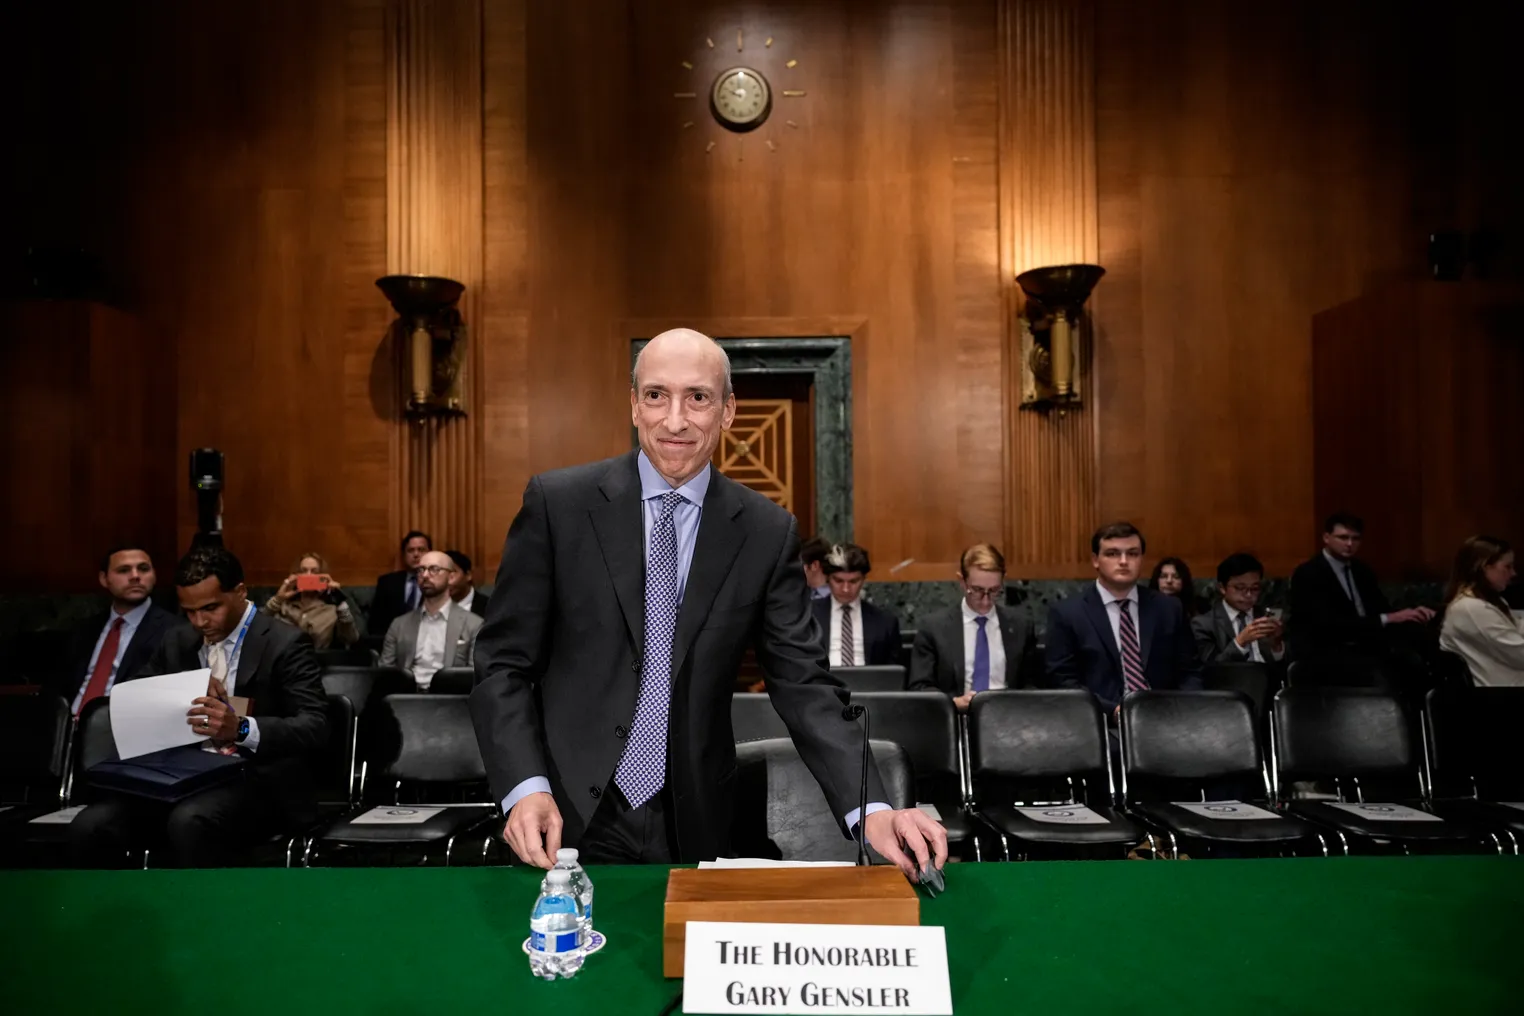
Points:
[264,703]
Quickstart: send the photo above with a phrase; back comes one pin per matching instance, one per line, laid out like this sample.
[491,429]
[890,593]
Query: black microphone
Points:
[852,712]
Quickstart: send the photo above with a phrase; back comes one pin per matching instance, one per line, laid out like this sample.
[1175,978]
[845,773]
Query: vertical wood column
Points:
[1048,216]
[434,227]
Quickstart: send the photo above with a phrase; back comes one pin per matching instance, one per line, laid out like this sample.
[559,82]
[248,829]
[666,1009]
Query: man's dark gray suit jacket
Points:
[558,659]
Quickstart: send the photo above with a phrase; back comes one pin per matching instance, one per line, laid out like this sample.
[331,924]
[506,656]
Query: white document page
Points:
[149,714]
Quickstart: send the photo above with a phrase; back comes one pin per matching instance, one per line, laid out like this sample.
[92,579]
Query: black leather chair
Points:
[879,677]
[1339,668]
[1201,747]
[781,813]
[430,759]
[753,718]
[356,656]
[26,842]
[362,686]
[453,681]
[34,744]
[1361,739]
[1044,749]
[1251,679]
[1472,759]
[925,724]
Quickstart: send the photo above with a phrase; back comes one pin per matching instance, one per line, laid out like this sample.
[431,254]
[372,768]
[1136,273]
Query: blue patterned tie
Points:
[981,656]
[642,769]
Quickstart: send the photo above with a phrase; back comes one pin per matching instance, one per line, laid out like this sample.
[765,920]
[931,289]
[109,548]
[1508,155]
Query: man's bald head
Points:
[681,402]
[685,342]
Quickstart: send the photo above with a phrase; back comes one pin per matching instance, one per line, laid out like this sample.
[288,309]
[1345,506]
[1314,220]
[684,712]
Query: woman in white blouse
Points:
[1478,626]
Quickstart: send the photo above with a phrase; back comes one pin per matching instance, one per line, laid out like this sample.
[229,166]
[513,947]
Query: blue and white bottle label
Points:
[561,942]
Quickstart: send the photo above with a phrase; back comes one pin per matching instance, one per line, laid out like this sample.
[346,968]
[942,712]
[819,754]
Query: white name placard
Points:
[1387,812]
[1230,810]
[1061,814]
[395,816]
[811,968]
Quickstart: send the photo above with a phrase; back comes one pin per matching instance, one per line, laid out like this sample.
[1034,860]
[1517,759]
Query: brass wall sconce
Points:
[1050,338]
[435,342]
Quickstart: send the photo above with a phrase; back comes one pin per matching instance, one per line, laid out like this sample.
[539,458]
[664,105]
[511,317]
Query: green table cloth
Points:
[1398,934]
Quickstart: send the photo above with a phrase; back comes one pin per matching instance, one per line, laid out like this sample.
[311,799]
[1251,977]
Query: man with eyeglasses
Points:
[979,645]
[1239,630]
[1117,636]
[440,633]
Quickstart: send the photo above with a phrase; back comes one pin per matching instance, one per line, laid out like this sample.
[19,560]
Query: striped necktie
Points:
[848,654]
[1132,654]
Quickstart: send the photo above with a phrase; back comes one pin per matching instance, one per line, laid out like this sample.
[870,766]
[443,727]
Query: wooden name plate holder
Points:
[874,895]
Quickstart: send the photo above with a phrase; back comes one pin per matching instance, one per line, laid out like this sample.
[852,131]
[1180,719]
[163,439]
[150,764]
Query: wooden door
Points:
[771,446]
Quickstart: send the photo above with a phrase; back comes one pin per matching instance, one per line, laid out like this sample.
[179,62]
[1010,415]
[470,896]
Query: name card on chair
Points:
[1387,812]
[1062,814]
[1230,810]
[395,816]
[807,968]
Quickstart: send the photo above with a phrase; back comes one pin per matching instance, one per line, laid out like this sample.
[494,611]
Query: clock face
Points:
[740,99]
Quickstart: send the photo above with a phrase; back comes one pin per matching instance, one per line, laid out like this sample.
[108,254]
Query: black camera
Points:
[206,482]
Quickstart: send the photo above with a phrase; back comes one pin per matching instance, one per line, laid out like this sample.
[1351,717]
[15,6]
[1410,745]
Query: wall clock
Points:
[740,99]
[741,96]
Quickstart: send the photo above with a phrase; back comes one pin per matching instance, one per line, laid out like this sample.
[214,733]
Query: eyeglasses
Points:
[1243,590]
[981,593]
[432,569]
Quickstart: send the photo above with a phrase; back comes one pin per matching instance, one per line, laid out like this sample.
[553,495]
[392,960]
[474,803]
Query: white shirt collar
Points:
[1233,614]
[133,617]
[444,611]
[970,614]
[653,484]
[1107,599]
[233,634]
[1335,562]
[836,604]
[466,601]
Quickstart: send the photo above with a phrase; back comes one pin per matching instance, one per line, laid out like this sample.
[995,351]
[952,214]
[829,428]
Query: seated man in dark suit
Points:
[118,641]
[1116,636]
[956,651]
[254,657]
[856,632]
[463,585]
[1336,604]
[1238,630]
[812,554]
[397,592]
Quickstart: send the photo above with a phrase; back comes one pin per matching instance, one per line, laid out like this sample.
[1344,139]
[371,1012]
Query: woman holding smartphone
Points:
[311,600]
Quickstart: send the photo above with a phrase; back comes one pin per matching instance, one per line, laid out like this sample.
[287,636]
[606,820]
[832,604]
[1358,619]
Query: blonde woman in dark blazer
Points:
[1478,626]
[324,616]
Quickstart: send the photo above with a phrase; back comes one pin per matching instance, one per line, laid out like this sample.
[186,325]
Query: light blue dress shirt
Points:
[130,622]
[686,518]
[240,632]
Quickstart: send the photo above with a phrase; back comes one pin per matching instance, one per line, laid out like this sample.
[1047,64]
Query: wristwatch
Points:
[243,729]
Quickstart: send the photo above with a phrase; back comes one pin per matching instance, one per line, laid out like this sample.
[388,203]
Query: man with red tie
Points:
[120,641]
[1117,636]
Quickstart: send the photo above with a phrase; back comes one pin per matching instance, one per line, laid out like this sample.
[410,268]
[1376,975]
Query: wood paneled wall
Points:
[247,170]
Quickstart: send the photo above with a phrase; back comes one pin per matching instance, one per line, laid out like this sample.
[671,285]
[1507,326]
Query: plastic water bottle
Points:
[555,929]
[581,885]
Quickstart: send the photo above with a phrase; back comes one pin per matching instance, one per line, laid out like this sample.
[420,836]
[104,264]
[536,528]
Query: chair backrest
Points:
[1191,736]
[34,737]
[752,717]
[1472,742]
[361,685]
[879,677]
[1340,732]
[1035,734]
[1252,679]
[1338,668]
[92,743]
[925,724]
[781,812]
[352,657]
[430,739]
[336,770]
[453,681]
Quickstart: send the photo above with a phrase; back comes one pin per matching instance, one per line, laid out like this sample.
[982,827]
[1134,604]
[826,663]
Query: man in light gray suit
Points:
[959,652]
[440,633]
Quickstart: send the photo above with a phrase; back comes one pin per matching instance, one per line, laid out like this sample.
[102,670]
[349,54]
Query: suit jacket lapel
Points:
[621,536]
[252,653]
[453,626]
[1149,614]
[1098,614]
[952,634]
[1010,638]
[1224,627]
[719,540]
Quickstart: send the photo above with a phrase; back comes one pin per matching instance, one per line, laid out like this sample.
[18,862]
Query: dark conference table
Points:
[1398,934]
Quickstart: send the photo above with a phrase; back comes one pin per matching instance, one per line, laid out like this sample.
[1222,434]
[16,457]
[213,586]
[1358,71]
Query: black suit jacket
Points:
[558,659]
[278,670]
[389,603]
[479,603]
[1323,617]
[1216,639]
[82,645]
[936,657]
[881,631]
[1082,652]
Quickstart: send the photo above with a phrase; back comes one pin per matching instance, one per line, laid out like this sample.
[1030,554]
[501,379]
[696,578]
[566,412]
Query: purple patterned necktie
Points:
[642,769]
[981,675]
[1132,656]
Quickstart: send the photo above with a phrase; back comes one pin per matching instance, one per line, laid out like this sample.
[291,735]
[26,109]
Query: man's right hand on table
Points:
[533,830]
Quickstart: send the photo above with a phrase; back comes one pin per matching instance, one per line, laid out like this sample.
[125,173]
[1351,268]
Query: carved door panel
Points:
[770,447]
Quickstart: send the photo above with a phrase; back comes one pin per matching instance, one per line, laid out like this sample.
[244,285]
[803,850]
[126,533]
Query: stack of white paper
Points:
[149,714]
